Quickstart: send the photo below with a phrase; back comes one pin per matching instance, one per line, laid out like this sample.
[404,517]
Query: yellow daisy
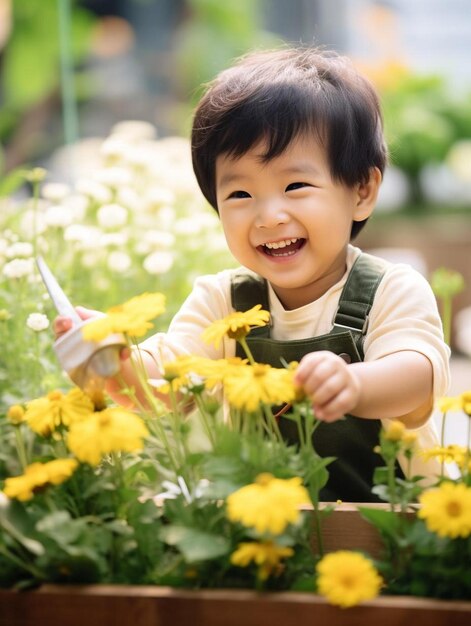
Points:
[37,477]
[445,454]
[44,415]
[236,325]
[131,318]
[247,386]
[447,510]
[265,554]
[347,578]
[16,414]
[269,504]
[111,430]
[394,431]
[456,403]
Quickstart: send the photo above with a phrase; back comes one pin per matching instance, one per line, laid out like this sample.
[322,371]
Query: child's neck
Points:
[297,297]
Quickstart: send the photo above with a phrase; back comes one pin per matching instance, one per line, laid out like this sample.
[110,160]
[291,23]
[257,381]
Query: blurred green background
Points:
[147,59]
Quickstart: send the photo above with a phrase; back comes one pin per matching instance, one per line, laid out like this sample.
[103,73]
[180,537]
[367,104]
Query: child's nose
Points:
[271,213]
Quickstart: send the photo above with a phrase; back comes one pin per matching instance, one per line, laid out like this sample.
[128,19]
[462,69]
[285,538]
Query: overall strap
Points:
[357,297]
[247,290]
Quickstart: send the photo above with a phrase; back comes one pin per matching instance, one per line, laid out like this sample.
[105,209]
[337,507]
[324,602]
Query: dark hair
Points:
[277,95]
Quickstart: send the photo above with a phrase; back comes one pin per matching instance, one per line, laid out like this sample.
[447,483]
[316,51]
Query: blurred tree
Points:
[212,33]
[30,73]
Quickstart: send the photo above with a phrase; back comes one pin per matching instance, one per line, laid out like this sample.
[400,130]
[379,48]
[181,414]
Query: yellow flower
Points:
[447,510]
[269,504]
[131,318]
[395,431]
[111,430]
[266,554]
[236,325]
[16,414]
[46,414]
[347,578]
[37,477]
[247,386]
[445,454]
[456,403]
[449,404]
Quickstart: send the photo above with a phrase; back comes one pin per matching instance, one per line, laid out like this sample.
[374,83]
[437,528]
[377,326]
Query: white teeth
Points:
[280,244]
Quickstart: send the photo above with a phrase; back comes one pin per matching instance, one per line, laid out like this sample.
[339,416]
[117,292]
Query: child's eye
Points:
[239,194]
[294,186]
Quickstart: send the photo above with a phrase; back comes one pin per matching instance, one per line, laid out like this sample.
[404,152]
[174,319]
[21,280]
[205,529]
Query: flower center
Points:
[348,581]
[264,479]
[453,508]
[54,395]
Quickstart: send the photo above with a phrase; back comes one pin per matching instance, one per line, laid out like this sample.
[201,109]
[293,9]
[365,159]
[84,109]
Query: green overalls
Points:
[352,439]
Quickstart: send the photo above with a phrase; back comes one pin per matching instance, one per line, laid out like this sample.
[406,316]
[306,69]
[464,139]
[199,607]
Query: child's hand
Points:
[331,384]
[63,324]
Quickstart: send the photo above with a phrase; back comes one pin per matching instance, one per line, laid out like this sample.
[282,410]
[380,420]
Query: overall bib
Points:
[350,440]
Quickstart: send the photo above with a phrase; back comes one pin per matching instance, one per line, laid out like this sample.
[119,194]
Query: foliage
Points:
[136,222]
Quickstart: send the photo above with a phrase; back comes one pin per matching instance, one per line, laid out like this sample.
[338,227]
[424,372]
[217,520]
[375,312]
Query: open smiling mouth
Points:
[287,247]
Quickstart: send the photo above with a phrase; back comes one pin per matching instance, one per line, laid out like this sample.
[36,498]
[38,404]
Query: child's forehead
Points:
[304,146]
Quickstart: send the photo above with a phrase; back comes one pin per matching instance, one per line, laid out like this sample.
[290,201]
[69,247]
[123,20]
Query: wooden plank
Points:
[102,605]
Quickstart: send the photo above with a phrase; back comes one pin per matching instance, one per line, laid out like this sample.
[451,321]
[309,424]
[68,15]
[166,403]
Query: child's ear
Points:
[367,194]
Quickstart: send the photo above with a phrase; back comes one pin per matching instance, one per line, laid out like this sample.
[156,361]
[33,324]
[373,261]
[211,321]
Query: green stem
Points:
[20,447]
[20,563]
[442,444]
[446,318]
[392,482]
[69,102]
[318,529]
[206,418]
[247,350]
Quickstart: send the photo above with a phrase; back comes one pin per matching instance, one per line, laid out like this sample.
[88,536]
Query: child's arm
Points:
[399,386]
[127,377]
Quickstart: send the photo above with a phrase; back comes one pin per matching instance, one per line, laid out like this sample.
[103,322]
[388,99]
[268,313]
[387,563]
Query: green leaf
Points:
[387,522]
[195,545]
[15,521]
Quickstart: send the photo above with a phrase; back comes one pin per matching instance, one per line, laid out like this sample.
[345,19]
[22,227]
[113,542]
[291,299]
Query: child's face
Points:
[287,220]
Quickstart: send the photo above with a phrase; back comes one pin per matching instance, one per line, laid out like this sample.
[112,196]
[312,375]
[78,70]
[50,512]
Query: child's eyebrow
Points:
[300,168]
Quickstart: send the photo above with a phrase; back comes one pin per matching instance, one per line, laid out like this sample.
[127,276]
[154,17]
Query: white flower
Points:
[157,197]
[32,223]
[112,216]
[115,148]
[90,258]
[158,262]
[94,190]
[18,268]
[159,238]
[119,261]
[19,249]
[114,176]
[55,192]
[107,240]
[85,237]
[188,226]
[37,322]
[134,130]
[58,216]
[166,215]
[129,198]
[77,205]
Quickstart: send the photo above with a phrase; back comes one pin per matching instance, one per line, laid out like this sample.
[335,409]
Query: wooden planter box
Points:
[113,605]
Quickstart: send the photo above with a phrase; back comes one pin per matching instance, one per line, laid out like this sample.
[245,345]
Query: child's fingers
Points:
[61,325]
[125,354]
[86,314]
